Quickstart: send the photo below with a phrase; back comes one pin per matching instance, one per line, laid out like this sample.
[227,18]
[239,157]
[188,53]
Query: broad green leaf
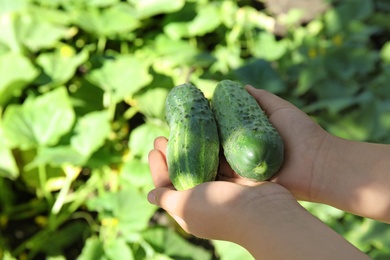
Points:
[152,102]
[115,19]
[7,6]
[8,167]
[118,249]
[206,21]
[61,65]
[385,52]
[93,249]
[128,206]
[323,212]
[260,74]
[25,29]
[166,241]
[172,54]
[338,18]
[268,48]
[98,3]
[309,75]
[230,251]
[135,173]
[142,137]
[121,77]
[40,121]
[58,156]
[91,131]
[148,8]
[12,81]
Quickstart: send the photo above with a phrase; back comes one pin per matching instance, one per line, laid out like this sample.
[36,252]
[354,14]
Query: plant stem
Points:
[62,195]
[101,45]
[42,183]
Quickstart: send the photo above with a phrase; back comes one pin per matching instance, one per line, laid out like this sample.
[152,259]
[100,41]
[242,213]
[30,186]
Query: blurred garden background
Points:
[82,93]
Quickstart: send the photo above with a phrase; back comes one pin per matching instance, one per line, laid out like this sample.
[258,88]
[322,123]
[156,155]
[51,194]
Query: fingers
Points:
[158,164]
[160,143]
[269,102]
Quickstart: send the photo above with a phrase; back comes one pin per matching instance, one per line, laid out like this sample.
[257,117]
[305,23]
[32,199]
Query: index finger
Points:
[269,102]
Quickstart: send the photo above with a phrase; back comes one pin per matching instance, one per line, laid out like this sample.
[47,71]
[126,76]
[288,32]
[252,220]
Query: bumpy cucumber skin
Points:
[252,146]
[193,145]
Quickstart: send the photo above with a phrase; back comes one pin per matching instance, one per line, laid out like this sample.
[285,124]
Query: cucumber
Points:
[251,145]
[193,145]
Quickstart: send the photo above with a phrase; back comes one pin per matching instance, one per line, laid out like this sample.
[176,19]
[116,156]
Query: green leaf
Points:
[58,156]
[40,121]
[148,8]
[268,48]
[7,6]
[118,249]
[167,242]
[135,173]
[338,18]
[8,167]
[91,131]
[61,65]
[93,249]
[128,206]
[206,21]
[112,20]
[172,53]
[25,29]
[12,81]
[121,77]
[385,52]
[152,102]
[260,74]
[142,137]
[230,251]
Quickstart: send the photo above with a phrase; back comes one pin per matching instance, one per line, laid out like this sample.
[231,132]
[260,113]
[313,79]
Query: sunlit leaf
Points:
[268,48]
[93,249]
[166,241]
[230,251]
[135,173]
[19,30]
[118,249]
[12,6]
[142,137]
[90,132]
[121,77]
[116,19]
[8,166]
[40,121]
[12,81]
[206,20]
[61,65]
[147,8]
[128,206]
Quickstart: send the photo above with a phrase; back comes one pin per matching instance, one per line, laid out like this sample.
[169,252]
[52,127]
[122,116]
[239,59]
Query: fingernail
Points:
[152,197]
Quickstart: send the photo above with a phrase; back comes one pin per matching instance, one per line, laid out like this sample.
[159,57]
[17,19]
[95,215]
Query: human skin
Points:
[265,217]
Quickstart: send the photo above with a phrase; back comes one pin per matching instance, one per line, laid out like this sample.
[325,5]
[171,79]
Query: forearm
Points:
[290,232]
[356,178]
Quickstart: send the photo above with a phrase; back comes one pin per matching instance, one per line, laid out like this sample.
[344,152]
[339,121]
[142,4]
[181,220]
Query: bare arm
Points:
[262,217]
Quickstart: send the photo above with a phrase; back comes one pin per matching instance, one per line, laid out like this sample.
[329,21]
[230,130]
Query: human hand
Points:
[304,140]
[212,210]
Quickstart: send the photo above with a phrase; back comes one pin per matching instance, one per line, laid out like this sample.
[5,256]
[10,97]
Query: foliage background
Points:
[82,92]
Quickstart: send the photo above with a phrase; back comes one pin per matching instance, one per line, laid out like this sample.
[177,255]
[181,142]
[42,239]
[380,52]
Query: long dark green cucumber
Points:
[252,146]
[193,145]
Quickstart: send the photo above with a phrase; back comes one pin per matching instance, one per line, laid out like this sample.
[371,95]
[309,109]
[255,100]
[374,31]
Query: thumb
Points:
[166,198]
[171,201]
